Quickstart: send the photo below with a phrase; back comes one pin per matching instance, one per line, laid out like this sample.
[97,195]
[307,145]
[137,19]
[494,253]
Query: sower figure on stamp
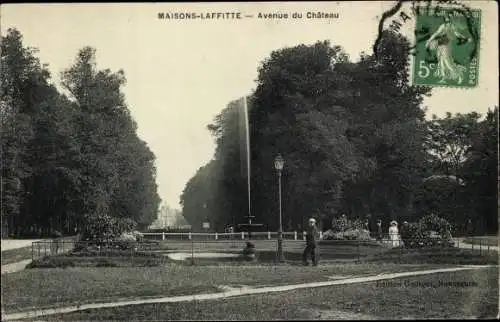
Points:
[441,42]
[311,243]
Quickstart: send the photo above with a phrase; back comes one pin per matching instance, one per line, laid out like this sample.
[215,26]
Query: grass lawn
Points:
[16,255]
[422,298]
[36,288]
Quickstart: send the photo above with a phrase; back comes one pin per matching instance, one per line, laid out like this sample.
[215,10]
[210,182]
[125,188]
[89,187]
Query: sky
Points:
[181,73]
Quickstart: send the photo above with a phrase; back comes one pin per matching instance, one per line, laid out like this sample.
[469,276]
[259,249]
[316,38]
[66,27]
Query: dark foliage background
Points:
[355,140]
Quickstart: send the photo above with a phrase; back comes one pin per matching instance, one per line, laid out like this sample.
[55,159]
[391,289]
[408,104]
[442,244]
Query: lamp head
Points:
[279,162]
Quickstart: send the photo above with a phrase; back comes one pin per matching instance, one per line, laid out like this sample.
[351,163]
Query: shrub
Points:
[340,224]
[349,234]
[357,234]
[412,235]
[125,241]
[129,237]
[435,223]
[103,228]
[430,231]
[138,236]
[51,262]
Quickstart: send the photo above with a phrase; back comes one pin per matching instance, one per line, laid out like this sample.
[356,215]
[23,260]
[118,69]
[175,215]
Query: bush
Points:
[125,244]
[349,234]
[51,262]
[103,228]
[343,224]
[126,241]
[357,234]
[430,231]
[435,223]
[139,237]
[340,224]
[128,237]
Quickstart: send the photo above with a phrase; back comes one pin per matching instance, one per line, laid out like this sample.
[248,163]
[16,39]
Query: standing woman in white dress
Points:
[394,234]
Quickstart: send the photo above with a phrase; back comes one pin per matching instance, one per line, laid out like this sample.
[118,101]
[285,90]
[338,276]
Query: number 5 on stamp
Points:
[447,47]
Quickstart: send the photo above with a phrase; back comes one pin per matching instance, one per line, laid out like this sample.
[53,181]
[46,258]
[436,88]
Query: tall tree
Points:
[388,128]
[62,159]
[298,112]
[480,171]
[23,80]
[449,139]
[199,197]
[118,172]
[339,126]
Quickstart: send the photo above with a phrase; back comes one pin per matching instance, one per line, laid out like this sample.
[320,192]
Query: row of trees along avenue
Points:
[356,141]
[67,159]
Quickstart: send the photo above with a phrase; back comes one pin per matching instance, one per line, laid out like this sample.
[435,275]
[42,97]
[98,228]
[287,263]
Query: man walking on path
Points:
[311,243]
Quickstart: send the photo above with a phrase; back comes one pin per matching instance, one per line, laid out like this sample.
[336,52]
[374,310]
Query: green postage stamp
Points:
[447,47]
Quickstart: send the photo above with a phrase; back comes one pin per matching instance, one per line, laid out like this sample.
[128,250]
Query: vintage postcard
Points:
[249,160]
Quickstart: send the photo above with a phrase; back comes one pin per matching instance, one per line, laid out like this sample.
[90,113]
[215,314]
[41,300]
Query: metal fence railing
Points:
[200,245]
[52,247]
[269,235]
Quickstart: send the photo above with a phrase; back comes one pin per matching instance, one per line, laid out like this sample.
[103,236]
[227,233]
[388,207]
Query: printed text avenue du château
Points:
[298,15]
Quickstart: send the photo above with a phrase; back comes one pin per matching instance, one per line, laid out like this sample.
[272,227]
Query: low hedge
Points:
[69,261]
[51,262]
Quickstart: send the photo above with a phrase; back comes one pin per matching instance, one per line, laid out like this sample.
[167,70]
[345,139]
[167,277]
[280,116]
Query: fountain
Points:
[248,252]
[250,248]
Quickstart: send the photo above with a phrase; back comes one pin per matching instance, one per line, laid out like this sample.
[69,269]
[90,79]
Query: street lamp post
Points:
[278,165]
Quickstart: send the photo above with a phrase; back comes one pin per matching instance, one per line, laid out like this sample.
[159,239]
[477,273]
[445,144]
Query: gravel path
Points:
[8,244]
[15,267]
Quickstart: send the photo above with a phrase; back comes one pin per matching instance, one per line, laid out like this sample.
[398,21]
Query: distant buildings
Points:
[168,218]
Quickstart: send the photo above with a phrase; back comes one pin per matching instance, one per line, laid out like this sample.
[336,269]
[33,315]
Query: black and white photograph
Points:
[227,161]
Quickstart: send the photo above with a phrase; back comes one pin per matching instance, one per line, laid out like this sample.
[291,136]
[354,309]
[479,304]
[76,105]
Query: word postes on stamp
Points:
[447,47]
